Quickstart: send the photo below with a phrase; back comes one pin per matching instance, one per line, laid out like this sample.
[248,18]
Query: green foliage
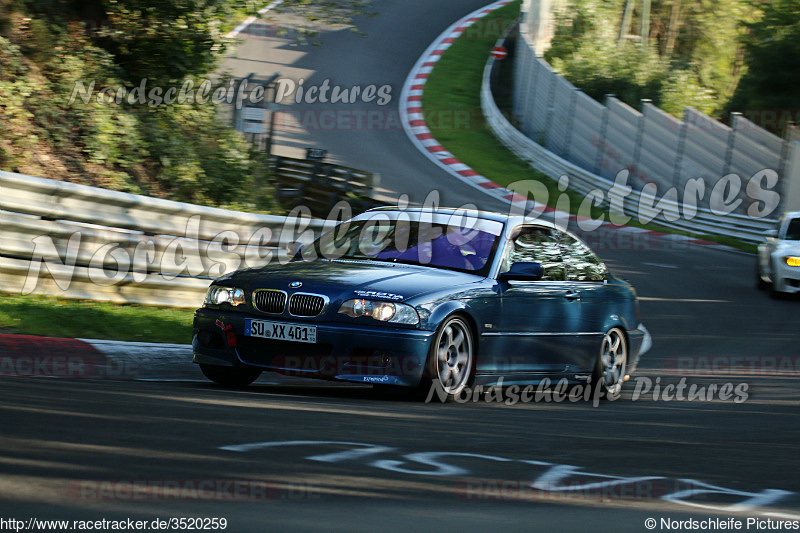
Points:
[179,151]
[683,89]
[709,43]
[601,66]
[15,134]
[773,58]
[57,317]
[54,51]
[693,54]
[12,66]
[164,41]
[167,41]
[200,160]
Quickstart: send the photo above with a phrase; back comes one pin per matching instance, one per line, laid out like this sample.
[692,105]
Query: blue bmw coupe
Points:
[420,298]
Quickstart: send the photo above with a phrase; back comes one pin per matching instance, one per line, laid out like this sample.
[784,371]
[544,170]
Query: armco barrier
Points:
[76,241]
[704,222]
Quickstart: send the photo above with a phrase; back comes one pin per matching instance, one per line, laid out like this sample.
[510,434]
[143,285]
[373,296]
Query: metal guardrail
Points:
[704,222]
[76,241]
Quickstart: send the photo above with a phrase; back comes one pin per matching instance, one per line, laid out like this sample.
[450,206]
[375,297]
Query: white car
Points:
[779,257]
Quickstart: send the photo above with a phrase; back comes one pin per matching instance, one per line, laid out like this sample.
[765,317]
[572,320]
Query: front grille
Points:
[269,301]
[303,304]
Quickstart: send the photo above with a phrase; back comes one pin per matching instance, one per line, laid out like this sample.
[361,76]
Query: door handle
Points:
[572,295]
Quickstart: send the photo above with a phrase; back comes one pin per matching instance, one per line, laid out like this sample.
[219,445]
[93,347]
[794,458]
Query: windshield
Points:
[793,230]
[440,245]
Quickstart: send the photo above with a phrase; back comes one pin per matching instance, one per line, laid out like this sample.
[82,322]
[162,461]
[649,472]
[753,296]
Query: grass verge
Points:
[453,89]
[57,317]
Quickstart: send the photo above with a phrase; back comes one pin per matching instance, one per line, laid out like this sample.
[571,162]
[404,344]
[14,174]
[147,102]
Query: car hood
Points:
[350,279]
[788,248]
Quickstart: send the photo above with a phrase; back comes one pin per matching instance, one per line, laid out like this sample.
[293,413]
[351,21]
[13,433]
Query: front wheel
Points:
[451,360]
[229,376]
[612,363]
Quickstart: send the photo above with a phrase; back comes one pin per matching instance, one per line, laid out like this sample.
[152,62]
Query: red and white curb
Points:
[411,107]
[34,356]
[92,359]
[414,124]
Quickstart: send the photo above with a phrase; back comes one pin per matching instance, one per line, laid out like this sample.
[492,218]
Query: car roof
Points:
[511,221]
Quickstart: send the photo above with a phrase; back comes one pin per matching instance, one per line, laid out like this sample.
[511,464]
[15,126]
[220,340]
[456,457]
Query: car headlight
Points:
[792,261]
[383,311]
[218,295]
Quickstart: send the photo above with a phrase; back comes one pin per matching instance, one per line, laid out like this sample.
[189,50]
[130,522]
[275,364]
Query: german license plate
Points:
[280,331]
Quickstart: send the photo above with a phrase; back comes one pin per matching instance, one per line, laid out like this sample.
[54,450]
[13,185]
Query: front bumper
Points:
[392,356]
[786,278]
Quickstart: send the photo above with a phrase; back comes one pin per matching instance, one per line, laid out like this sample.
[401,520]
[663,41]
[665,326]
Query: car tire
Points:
[230,376]
[611,365]
[451,361]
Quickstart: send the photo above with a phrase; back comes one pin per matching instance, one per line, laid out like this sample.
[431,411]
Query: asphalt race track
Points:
[308,456]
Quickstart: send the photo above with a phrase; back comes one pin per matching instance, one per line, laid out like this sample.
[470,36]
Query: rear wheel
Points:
[612,363]
[230,376]
[451,361]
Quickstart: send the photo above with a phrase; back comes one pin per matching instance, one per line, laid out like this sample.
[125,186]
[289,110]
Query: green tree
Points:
[167,40]
[709,42]
[693,54]
[772,81]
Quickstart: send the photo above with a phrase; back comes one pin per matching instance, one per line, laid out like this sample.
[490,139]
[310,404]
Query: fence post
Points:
[551,96]
[570,121]
[791,134]
[527,125]
[524,70]
[637,147]
[731,143]
[679,151]
[791,181]
[601,148]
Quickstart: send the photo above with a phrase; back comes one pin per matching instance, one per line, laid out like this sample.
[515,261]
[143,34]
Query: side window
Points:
[582,263]
[793,230]
[540,245]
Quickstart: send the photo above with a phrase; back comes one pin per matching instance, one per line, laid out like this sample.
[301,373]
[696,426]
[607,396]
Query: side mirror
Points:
[523,271]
